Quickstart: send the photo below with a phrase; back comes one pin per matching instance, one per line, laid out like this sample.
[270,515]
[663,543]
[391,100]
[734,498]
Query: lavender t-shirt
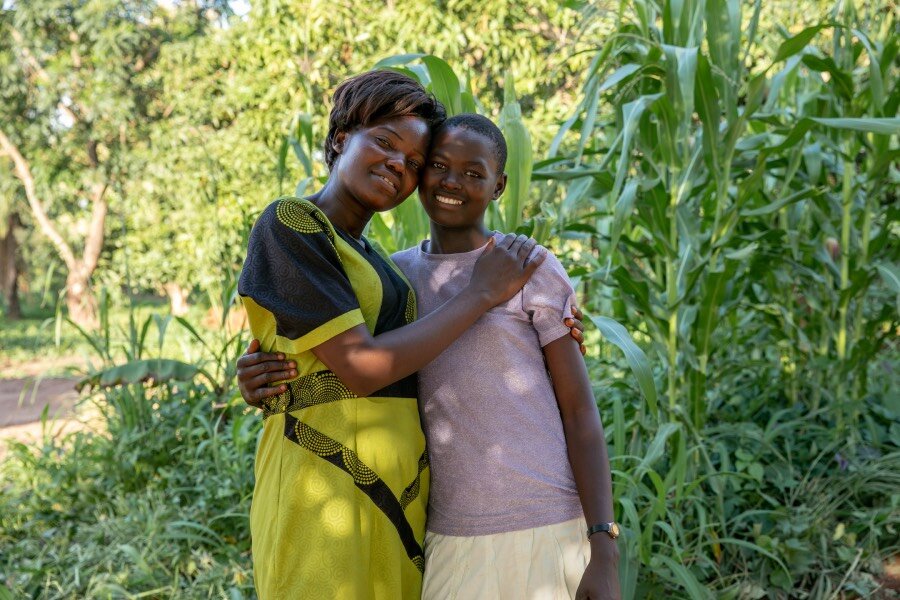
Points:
[495,436]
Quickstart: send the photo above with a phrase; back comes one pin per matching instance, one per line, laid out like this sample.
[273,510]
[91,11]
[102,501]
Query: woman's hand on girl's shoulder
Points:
[505,266]
[256,370]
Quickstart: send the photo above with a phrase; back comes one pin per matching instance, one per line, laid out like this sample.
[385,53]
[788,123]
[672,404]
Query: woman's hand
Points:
[576,328]
[601,577]
[504,267]
[255,370]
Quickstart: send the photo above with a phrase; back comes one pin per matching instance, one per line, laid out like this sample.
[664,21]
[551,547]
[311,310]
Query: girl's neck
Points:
[452,240]
[342,210]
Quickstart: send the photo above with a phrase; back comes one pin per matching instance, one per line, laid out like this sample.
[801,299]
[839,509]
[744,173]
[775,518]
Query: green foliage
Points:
[738,215]
[152,500]
[722,186]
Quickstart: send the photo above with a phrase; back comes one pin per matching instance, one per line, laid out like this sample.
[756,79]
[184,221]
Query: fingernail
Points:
[569,322]
[280,356]
[293,373]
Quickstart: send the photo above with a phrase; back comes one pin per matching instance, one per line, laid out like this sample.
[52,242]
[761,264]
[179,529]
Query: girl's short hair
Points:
[375,96]
[483,126]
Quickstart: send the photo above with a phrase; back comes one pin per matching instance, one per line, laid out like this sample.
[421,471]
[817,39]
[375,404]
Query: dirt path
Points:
[22,402]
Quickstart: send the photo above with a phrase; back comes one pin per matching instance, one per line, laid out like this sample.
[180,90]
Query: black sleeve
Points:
[294,272]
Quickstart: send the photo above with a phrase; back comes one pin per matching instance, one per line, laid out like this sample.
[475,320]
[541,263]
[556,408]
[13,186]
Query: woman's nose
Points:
[396,163]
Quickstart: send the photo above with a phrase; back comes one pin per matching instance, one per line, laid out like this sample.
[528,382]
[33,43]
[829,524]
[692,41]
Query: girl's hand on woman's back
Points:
[504,267]
[256,370]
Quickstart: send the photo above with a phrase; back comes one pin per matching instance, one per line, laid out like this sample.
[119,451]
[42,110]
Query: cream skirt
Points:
[542,563]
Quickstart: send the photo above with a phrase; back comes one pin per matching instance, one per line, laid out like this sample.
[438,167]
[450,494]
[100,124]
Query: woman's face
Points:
[379,163]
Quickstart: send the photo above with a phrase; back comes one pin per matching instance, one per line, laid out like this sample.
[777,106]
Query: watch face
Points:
[614,530]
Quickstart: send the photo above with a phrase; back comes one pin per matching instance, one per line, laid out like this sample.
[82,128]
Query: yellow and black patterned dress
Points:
[341,481]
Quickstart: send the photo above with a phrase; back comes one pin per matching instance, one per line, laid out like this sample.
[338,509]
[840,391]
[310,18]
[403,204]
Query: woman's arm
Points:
[256,370]
[590,462]
[366,363]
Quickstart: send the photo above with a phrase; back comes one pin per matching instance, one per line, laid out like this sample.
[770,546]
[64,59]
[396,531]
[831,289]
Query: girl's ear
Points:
[500,187]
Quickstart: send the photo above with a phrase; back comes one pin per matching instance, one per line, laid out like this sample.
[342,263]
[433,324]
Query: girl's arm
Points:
[590,462]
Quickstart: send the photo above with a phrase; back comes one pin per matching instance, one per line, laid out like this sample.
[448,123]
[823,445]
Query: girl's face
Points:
[379,163]
[460,178]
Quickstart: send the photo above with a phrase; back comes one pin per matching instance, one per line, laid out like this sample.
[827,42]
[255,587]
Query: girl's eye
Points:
[473,173]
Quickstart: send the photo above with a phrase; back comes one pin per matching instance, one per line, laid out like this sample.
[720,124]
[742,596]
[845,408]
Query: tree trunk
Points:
[177,299]
[80,301]
[9,268]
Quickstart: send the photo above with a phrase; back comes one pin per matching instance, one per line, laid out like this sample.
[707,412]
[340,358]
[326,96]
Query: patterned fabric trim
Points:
[365,479]
[303,216]
[412,490]
[320,387]
[323,387]
[410,313]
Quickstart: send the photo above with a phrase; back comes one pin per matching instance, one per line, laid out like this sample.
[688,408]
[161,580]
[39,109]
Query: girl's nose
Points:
[450,183]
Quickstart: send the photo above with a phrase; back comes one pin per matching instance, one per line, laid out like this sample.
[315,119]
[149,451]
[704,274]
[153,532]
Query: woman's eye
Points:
[383,142]
[415,164]
[437,165]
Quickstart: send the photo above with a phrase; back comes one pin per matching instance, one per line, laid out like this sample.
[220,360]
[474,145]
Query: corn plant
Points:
[698,176]
[734,192]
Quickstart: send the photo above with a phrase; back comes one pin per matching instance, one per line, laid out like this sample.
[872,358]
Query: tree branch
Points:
[94,243]
[23,172]
[40,72]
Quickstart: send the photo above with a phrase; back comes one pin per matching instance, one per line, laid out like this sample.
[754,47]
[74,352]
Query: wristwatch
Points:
[611,529]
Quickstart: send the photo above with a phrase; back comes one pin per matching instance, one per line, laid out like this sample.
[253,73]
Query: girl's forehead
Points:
[460,138]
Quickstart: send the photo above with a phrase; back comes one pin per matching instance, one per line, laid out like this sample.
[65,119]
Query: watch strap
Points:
[605,527]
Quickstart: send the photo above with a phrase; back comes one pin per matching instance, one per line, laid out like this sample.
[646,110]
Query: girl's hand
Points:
[576,328]
[601,577]
[504,267]
[257,369]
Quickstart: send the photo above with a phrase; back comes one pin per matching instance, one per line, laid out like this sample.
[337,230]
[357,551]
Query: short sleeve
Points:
[293,280]
[548,298]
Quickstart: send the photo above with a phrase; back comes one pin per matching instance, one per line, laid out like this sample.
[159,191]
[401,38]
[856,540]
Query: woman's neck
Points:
[342,210]
[453,240]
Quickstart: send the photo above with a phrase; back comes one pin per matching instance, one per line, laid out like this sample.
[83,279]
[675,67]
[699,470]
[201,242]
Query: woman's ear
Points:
[340,139]
[500,187]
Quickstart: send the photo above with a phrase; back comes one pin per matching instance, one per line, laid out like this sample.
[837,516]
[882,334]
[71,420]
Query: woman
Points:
[341,472]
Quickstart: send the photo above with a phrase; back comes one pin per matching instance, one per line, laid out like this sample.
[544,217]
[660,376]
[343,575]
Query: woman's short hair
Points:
[375,96]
